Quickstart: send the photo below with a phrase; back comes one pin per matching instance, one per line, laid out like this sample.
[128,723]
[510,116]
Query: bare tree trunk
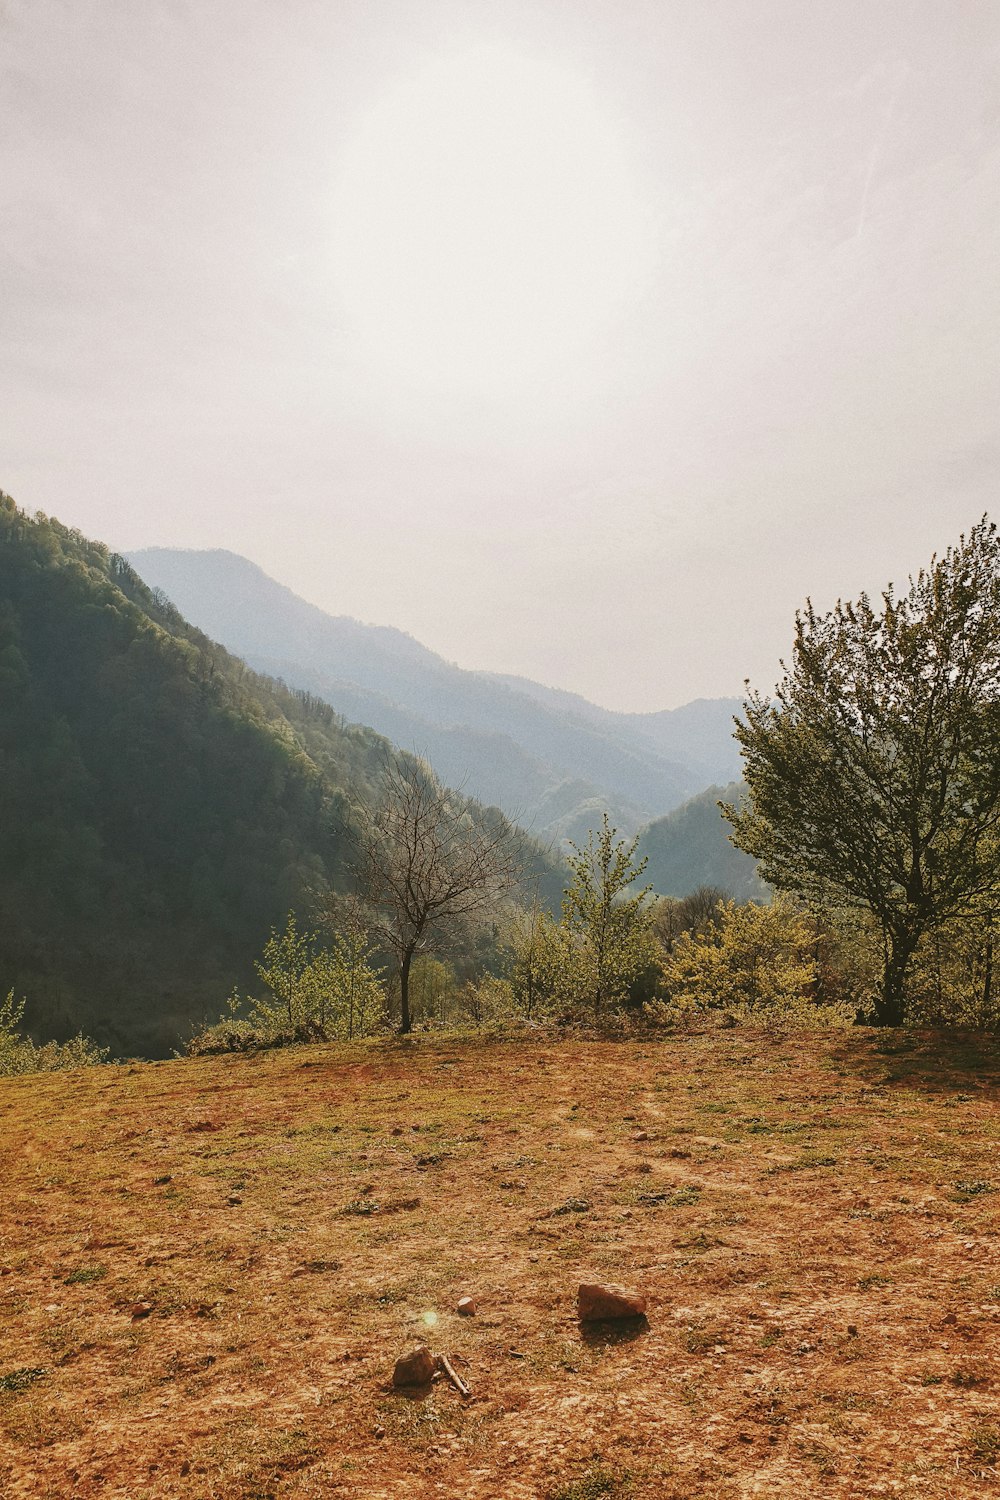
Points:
[405,1024]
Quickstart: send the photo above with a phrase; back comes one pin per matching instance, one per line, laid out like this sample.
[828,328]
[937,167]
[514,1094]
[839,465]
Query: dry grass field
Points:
[209,1267]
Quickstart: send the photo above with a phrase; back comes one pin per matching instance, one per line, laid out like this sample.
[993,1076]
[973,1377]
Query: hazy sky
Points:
[582,340]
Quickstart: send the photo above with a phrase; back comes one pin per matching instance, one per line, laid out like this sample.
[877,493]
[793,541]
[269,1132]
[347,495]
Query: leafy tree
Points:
[874,774]
[352,983]
[757,960]
[610,929]
[427,862]
[286,968]
[533,948]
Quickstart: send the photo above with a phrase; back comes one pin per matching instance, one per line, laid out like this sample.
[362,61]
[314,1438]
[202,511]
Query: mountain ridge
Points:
[569,757]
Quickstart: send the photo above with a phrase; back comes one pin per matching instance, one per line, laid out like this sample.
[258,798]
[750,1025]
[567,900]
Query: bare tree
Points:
[426,860]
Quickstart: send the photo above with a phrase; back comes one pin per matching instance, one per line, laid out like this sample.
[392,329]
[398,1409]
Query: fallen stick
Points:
[447,1368]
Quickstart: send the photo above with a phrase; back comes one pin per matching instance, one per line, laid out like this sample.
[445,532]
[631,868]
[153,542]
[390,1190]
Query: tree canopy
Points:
[874,771]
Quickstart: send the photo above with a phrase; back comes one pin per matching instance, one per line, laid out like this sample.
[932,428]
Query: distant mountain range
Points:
[550,758]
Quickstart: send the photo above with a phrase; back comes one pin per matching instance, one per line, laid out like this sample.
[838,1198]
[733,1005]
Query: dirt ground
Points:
[209,1267]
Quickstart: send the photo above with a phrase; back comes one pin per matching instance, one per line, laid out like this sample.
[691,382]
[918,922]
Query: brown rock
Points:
[466,1307]
[597,1303]
[415,1368]
[140,1310]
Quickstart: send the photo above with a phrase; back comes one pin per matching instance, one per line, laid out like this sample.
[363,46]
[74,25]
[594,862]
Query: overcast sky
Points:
[606,428]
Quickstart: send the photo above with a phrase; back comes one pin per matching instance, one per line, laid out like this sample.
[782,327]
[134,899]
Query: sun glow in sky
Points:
[580,340]
[488,221]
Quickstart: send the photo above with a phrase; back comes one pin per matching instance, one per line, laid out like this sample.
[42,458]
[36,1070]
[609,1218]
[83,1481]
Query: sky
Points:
[582,340]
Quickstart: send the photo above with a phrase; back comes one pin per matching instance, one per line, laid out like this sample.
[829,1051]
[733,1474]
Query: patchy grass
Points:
[208,1268]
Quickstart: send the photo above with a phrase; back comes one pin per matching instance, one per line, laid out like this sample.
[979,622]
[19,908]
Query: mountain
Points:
[551,759]
[690,847]
[162,806]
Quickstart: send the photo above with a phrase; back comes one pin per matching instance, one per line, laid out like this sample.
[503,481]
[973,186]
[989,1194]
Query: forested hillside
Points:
[690,847]
[550,758]
[160,804]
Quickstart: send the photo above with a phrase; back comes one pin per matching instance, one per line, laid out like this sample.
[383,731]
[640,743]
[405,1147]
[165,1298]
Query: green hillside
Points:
[160,805]
[690,847]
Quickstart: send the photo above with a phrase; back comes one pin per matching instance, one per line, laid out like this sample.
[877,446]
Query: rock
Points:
[415,1368]
[641,1135]
[597,1303]
[466,1307]
[140,1310]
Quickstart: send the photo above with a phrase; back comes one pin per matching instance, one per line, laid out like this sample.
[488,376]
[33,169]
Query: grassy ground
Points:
[209,1267]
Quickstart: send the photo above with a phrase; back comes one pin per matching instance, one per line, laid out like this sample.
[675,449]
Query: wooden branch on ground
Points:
[448,1369]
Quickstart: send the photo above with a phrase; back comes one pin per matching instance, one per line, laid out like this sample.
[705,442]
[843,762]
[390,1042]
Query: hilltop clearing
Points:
[209,1267]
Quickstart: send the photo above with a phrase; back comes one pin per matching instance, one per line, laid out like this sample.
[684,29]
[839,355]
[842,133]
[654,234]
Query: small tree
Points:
[285,965]
[343,985]
[758,960]
[611,929]
[874,774]
[427,861]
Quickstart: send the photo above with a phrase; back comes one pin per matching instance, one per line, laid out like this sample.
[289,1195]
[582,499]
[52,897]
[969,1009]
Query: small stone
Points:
[415,1368]
[950,1318]
[852,1330]
[641,1135]
[466,1307]
[140,1310]
[598,1303]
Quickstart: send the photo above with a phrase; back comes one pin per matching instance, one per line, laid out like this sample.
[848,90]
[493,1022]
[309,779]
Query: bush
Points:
[19,1054]
[316,995]
[759,964]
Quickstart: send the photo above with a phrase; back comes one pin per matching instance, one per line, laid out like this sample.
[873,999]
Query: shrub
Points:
[19,1054]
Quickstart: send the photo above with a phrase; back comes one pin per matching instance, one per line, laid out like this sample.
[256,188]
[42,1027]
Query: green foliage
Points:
[488,1002]
[285,966]
[315,994]
[19,1054]
[951,979]
[600,951]
[607,933]
[874,774]
[758,963]
[540,960]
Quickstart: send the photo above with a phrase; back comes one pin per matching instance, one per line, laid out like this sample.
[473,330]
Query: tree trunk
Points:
[890,1008]
[405,1024]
